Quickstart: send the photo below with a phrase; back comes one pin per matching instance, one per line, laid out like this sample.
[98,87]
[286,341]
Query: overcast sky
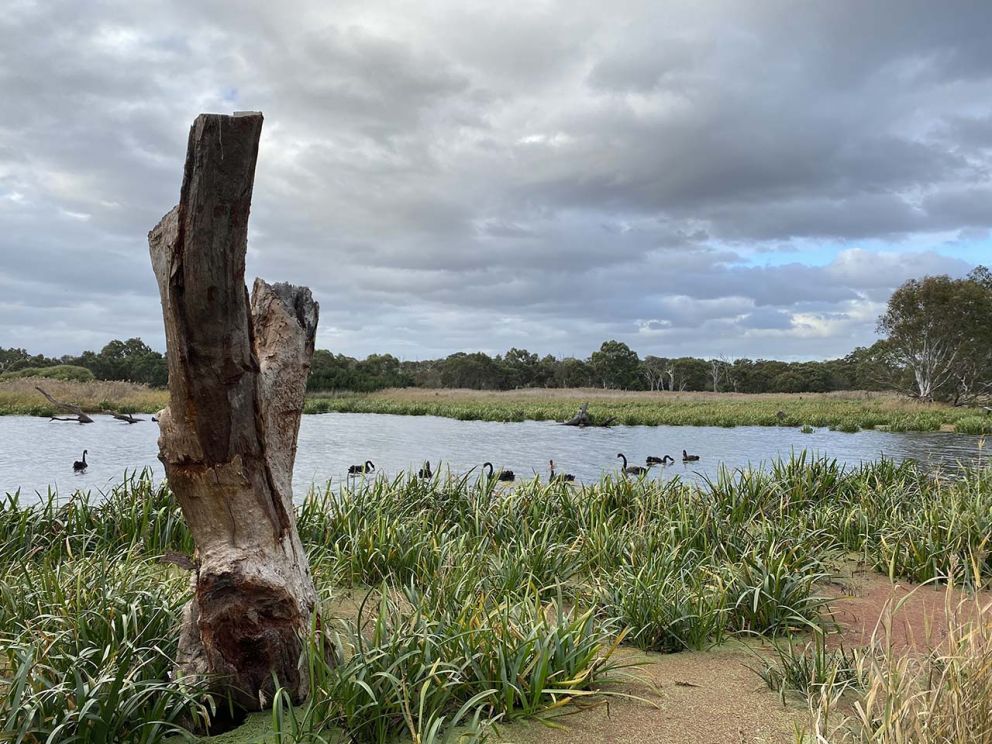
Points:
[702,178]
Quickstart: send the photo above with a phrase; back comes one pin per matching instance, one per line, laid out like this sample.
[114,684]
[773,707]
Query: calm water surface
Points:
[36,454]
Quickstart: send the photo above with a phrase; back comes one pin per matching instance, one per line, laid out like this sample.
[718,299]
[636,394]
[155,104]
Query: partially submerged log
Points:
[127,418]
[583,419]
[237,377]
[78,416]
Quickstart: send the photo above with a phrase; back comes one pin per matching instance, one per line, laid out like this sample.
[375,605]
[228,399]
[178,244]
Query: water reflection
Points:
[37,453]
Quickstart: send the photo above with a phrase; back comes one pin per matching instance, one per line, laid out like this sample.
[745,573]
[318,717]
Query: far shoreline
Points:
[842,410]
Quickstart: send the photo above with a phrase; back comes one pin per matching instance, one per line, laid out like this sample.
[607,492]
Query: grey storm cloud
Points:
[725,178]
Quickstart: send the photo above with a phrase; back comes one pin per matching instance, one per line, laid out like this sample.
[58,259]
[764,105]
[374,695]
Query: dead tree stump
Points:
[237,375]
[582,419]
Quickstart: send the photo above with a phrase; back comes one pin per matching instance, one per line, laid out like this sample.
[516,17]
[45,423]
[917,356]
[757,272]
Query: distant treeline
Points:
[614,365]
[938,346]
[132,360]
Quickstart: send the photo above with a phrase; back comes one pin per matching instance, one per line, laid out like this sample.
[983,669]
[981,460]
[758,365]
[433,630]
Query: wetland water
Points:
[36,453]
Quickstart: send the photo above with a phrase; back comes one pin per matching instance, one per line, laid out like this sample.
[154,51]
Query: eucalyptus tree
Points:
[940,330]
[616,365]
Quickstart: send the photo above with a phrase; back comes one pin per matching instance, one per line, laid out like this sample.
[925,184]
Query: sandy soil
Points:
[715,697]
[907,616]
[708,697]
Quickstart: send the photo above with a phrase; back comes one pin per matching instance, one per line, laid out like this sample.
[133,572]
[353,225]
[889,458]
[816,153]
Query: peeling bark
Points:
[237,377]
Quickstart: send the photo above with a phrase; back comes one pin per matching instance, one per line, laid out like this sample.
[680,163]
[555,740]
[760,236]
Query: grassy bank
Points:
[481,604]
[842,411]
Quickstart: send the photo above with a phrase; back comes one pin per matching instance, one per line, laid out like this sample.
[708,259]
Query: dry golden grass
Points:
[22,397]
[942,695]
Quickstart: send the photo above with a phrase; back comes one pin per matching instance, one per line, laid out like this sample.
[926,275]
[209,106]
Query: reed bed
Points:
[849,411]
[481,603]
[19,396]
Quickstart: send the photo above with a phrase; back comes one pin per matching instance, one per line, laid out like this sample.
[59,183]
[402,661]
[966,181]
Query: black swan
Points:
[368,467]
[503,475]
[631,469]
[686,457]
[567,477]
[652,460]
[80,464]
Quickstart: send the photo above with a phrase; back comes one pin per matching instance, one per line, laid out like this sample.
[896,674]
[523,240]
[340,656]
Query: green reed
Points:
[487,602]
[841,412]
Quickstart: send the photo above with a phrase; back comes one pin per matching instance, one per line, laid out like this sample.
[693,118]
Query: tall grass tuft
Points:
[136,513]
[437,659]
[943,696]
[87,644]
[812,670]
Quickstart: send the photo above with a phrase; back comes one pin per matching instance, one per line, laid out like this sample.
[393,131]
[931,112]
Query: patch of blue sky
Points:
[972,247]
[973,250]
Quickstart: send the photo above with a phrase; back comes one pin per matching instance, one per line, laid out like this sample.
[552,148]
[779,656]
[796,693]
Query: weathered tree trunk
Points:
[237,374]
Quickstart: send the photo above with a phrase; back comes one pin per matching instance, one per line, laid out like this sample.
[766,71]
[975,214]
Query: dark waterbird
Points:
[567,477]
[631,469]
[503,475]
[80,465]
[652,460]
[426,472]
[368,467]
[686,457]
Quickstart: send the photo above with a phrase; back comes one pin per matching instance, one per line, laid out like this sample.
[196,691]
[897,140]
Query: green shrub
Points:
[64,372]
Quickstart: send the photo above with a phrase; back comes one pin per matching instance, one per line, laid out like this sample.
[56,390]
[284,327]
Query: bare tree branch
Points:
[61,405]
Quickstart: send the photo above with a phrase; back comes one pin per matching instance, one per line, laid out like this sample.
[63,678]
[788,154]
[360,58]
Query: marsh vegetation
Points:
[478,602]
[849,411]
[846,411]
